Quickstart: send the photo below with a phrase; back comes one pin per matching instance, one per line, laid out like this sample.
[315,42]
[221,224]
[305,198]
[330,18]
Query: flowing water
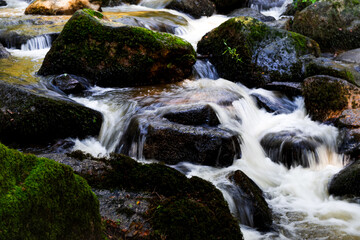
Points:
[297,196]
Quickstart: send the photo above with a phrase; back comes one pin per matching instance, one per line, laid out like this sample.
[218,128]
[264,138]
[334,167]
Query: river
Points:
[298,196]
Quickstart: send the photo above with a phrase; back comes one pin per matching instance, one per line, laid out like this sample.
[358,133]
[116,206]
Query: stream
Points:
[302,208]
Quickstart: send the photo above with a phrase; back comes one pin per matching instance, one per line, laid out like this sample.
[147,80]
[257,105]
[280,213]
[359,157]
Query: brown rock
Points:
[61,7]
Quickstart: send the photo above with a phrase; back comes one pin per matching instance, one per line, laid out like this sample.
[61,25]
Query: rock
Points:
[3,52]
[2,3]
[350,143]
[291,148]
[70,84]
[292,9]
[352,56]
[192,200]
[346,182]
[61,7]
[350,118]
[29,116]
[127,56]
[193,115]
[263,5]
[325,66]
[335,26]
[226,6]
[173,143]
[327,97]
[290,89]
[41,198]
[196,9]
[246,50]
[113,3]
[249,12]
[252,209]
[281,23]
[276,106]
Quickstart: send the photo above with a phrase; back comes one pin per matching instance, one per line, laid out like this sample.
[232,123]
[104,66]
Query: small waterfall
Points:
[204,69]
[36,43]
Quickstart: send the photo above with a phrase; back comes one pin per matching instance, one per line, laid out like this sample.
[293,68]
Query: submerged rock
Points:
[246,50]
[3,52]
[252,209]
[250,12]
[334,25]
[112,54]
[276,106]
[70,84]
[196,9]
[40,198]
[327,97]
[173,143]
[60,7]
[291,148]
[346,182]
[28,116]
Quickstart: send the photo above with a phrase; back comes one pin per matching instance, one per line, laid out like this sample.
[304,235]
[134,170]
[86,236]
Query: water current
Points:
[297,196]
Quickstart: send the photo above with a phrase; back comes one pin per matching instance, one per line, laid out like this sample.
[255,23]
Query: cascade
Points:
[36,43]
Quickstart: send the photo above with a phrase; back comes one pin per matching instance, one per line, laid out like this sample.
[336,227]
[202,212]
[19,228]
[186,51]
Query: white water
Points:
[298,196]
[37,43]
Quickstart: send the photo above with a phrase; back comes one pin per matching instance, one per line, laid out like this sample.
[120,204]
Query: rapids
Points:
[297,196]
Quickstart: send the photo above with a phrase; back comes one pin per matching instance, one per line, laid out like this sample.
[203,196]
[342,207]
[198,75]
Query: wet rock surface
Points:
[70,84]
[128,56]
[226,6]
[352,56]
[291,148]
[346,182]
[276,106]
[252,209]
[60,7]
[196,9]
[249,12]
[3,52]
[350,143]
[290,89]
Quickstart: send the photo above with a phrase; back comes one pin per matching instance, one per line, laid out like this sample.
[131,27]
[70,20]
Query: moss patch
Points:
[42,199]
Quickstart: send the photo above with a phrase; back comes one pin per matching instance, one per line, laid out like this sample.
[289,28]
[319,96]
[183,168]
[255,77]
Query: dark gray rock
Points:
[276,106]
[352,56]
[3,52]
[350,143]
[290,89]
[226,6]
[70,84]
[346,182]
[2,3]
[195,8]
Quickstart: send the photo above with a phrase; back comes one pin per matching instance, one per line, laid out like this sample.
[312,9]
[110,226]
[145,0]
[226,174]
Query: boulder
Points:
[2,3]
[113,3]
[252,209]
[60,7]
[113,54]
[334,25]
[70,84]
[200,209]
[291,148]
[326,66]
[250,12]
[30,116]
[290,89]
[276,106]
[352,56]
[327,97]
[173,143]
[196,9]
[350,118]
[346,182]
[350,143]
[246,50]
[3,52]
[227,6]
[193,115]
[294,7]
[40,198]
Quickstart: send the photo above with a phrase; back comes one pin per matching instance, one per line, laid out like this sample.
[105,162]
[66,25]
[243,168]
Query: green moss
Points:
[93,13]
[42,199]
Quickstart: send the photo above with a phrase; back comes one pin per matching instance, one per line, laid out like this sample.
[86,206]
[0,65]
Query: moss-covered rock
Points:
[196,9]
[112,54]
[253,210]
[61,7]
[29,116]
[42,199]
[250,12]
[325,66]
[346,182]
[333,24]
[327,97]
[246,50]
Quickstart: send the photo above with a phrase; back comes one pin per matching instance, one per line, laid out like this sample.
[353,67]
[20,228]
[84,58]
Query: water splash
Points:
[36,43]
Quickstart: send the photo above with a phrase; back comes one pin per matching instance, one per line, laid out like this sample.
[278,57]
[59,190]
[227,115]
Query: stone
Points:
[70,84]
[3,52]
[346,182]
[352,56]
[226,6]
[196,9]
[61,7]
[250,12]
[127,56]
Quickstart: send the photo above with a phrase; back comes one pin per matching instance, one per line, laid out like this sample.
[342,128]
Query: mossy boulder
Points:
[226,6]
[327,97]
[196,9]
[252,209]
[42,199]
[346,182]
[31,116]
[334,25]
[182,209]
[246,50]
[60,7]
[326,66]
[113,54]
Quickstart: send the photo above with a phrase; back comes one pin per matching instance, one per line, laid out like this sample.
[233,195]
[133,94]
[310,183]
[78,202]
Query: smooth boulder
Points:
[60,7]
[226,6]
[196,9]
[42,199]
[116,55]
[346,182]
[246,50]
[3,52]
[30,116]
